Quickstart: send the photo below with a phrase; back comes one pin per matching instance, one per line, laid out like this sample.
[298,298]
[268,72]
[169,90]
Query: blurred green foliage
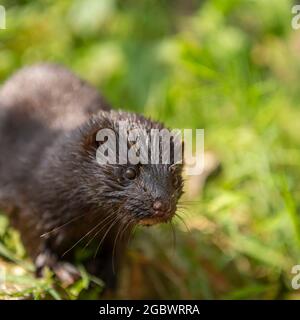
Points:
[231,67]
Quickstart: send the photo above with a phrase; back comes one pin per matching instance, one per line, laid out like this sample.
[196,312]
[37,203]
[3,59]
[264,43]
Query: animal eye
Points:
[130,173]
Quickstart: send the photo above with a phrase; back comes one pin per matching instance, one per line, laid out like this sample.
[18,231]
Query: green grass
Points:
[230,67]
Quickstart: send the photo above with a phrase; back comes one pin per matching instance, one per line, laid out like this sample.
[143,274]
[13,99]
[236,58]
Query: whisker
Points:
[115,243]
[180,206]
[108,220]
[189,202]
[174,236]
[182,220]
[107,231]
[61,226]
[130,223]
[131,233]
[114,214]
[182,210]
[83,237]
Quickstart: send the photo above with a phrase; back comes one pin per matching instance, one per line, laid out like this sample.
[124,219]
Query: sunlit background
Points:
[231,67]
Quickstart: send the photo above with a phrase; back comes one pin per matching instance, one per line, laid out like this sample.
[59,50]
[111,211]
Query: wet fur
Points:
[49,175]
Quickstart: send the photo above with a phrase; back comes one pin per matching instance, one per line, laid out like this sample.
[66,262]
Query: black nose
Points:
[160,205]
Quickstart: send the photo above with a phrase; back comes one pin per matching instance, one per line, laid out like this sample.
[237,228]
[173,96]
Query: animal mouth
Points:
[156,218]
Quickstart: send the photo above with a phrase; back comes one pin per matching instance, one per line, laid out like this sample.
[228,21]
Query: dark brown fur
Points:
[50,183]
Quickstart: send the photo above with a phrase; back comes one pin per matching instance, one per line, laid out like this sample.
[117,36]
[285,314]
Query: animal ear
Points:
[90,130]
[89,141]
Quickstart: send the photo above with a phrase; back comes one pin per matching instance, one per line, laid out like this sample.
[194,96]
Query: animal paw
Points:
[64,271]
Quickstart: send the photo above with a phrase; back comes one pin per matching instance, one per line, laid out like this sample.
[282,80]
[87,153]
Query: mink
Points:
[52,188]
